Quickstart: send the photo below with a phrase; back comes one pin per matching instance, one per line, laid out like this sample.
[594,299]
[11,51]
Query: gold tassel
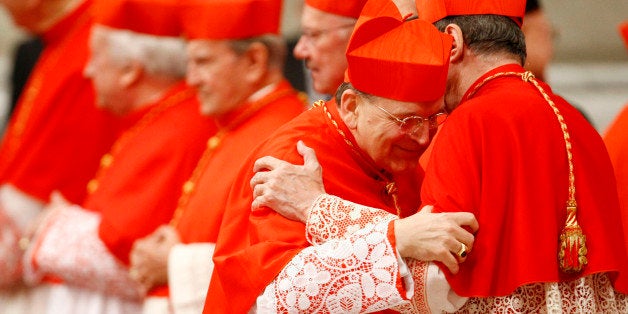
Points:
[572,254]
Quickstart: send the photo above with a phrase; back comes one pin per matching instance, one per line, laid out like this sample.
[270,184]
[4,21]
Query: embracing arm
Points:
[360,273]
[337,228]
[297,193]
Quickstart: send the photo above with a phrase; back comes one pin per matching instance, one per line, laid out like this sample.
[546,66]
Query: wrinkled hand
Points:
[149,257]
[428,236]
[288,189]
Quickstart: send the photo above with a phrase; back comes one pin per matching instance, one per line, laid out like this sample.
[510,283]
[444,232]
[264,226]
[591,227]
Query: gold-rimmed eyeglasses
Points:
[412,124]
[312,35]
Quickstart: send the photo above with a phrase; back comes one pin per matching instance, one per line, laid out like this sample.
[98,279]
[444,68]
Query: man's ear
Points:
[457,47]
[348,108]
[131,73]
[257,56]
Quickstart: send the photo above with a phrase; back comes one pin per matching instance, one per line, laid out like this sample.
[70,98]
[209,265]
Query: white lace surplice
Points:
[351,267]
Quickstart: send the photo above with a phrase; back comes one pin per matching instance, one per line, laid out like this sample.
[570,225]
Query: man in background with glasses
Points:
[326,26]
[369,141]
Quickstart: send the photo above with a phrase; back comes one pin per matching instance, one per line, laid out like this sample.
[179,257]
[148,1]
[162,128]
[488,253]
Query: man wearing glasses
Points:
[369,141]
[326,26]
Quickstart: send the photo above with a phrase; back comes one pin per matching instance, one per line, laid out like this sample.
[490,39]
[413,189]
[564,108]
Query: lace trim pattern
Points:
[331,217]
[69,248]
[590,294]
[353,275]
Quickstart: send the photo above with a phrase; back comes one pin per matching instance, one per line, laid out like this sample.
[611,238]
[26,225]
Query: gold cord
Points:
[572,250]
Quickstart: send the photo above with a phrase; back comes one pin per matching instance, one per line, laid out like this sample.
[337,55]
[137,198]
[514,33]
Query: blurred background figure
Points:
[235,63]
[539,35]
[80,250]
[56,134]
[616,140]
[326,26]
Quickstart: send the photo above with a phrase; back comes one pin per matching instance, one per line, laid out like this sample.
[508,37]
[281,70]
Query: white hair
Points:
[160,55]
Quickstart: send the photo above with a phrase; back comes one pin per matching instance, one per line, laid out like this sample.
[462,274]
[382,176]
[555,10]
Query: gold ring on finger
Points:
[462,253]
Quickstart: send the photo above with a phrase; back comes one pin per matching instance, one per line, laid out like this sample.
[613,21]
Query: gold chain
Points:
[572,250]
[390,187]
[189,186]
[107,160]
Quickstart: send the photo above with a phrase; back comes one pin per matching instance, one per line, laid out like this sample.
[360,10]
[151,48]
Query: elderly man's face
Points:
[217,73]
[106,76]
[380,136]
[322,46]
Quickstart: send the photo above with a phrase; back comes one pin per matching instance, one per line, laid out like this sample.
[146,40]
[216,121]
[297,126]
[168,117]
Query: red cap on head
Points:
[349,8]
[153,17]
[434,10]
[623,31]
[230,19]
[405,61]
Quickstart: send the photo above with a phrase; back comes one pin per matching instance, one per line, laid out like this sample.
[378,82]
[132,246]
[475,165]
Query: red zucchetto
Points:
[434,10]
[230,19]
[401,60]
[154,17]
[348,8]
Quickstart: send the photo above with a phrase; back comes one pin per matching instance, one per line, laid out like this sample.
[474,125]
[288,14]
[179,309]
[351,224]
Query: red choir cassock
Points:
[501,155]
[246,263]
[616,140]
[57,135]
[198,217]
[200,207]
[140,189]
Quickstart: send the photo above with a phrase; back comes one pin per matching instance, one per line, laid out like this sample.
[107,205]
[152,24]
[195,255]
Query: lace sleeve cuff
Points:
[68,247]
[331,217]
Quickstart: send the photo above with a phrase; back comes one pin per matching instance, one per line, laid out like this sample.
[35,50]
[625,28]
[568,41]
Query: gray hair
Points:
[159,55]
[276,45]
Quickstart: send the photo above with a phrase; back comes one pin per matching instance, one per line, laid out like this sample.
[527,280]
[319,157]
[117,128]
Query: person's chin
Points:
[409,153]
[404,165]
